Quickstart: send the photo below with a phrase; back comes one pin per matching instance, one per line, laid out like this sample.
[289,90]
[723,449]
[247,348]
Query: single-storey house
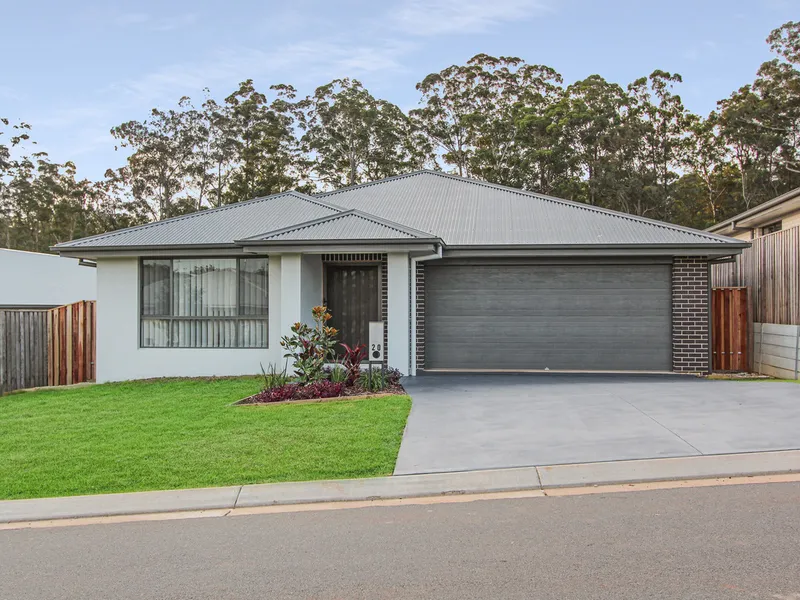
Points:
[467,275]
[34,280]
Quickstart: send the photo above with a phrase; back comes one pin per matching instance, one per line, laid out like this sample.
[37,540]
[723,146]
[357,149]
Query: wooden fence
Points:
[729,327]
[23,349]
[771,269]
[71,343]
[47,347]
[777,350]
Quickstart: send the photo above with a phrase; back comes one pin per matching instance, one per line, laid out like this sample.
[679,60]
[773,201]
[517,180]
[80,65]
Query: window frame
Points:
[171,318]
[773,227]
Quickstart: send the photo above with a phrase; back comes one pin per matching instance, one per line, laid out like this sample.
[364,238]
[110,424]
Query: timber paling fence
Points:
[23,349]
[47,347]
[771,269]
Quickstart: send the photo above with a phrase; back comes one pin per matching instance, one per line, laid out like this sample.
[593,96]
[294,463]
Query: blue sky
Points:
[75,69]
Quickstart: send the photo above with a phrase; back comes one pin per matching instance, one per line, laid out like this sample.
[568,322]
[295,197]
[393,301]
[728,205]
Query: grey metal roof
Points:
[344,226]
[467,212]
[425,205]
[217,226]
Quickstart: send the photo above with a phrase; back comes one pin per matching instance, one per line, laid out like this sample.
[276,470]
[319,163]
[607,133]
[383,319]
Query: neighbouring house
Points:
[467,275]
[768,217]
[32,280]
[770,270]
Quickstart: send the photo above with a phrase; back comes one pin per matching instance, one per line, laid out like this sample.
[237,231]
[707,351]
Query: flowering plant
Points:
[310,347]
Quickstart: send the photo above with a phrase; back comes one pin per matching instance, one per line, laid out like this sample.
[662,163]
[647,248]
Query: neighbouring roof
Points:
[420,206]
[351,225]
[763,214]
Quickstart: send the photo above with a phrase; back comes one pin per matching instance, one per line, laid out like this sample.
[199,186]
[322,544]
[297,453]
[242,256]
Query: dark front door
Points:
[353,299]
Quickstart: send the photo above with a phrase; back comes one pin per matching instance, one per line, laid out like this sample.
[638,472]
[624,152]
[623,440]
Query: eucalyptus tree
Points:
[760,122]
[258,133]
[163,153]
[657,129]
[589,122]
[351,137]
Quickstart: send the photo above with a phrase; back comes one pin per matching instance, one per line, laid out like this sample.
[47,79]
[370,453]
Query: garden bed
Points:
[254,400]
[320,392]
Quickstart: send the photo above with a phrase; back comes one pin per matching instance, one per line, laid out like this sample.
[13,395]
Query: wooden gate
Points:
[71,343]
[729,329]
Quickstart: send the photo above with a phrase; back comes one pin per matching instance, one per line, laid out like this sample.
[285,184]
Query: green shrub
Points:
[311,347]
[337,374]
[372,381]
[274,378]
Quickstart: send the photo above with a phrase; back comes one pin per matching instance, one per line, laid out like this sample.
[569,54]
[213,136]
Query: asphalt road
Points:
[725,542]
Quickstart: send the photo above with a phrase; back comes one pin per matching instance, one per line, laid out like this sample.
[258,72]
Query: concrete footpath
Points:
[404,486]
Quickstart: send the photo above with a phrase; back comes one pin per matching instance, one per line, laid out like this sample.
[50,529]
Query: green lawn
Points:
[169,434]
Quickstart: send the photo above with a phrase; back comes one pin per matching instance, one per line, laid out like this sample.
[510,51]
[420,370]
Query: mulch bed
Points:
[349,393]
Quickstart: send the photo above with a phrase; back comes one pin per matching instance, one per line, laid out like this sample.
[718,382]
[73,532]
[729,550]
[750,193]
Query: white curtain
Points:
[206,289]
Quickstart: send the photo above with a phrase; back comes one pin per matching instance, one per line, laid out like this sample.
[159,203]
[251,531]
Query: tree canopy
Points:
[634,148]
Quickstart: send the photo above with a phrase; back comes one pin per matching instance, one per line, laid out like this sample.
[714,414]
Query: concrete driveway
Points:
[467,422]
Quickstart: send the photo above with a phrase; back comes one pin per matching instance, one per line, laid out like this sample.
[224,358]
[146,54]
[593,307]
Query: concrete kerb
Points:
[404,486]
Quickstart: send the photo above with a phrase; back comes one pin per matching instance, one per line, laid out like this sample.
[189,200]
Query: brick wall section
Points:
[420,303]
[385,306]
[690,315]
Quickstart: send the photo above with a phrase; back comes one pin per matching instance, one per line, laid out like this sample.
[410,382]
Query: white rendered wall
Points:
[291,286]
[35,279]
[310,285]
[119,357]
[295,286]
[398,326]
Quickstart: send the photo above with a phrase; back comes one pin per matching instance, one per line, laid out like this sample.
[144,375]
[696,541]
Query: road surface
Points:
[732,542]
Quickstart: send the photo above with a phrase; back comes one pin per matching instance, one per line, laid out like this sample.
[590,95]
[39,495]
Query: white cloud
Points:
[302,62]
[440,17]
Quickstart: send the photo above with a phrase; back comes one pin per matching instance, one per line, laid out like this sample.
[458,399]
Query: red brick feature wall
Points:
[691,333]
[420,304]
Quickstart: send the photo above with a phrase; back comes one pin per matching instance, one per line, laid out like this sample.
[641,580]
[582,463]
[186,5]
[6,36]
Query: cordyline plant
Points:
[310,347]
[351,361]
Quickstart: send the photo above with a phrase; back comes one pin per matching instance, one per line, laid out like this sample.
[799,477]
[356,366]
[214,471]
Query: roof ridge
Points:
[341,215]
[540,196]
[377,182]
[198,213]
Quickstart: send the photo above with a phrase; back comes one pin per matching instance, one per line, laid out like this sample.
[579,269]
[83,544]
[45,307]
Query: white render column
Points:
[275,287]
[398,313]
[291,292]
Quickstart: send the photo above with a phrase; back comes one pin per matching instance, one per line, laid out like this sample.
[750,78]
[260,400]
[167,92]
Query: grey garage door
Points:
[574,317]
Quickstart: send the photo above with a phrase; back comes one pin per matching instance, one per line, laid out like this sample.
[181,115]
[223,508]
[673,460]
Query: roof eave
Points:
[767,211]
[578,250]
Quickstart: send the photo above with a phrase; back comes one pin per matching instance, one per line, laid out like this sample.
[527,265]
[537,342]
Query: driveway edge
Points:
[404,486]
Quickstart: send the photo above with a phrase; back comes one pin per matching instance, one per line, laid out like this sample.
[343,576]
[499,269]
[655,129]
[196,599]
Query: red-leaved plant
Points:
[351,361]
[294,391]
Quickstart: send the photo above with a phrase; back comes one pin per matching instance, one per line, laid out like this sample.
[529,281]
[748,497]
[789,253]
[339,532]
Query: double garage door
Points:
[571,317]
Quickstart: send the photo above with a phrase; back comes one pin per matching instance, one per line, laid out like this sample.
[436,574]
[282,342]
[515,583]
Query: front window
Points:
[204,303]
